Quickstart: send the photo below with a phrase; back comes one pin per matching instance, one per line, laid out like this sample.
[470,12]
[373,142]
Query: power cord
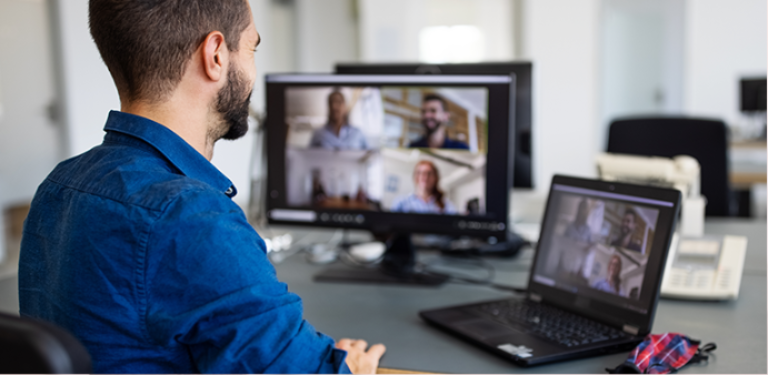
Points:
[463,279]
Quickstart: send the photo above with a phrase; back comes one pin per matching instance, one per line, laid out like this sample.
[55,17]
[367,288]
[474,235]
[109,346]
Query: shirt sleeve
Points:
[210,288]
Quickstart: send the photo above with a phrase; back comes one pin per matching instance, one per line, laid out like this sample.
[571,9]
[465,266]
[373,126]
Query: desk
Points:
[389,314]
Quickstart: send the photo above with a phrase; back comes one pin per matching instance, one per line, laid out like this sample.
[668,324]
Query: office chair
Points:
[30,346]
[704,140]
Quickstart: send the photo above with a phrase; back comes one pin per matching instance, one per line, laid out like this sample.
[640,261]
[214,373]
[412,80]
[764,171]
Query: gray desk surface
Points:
[389,314]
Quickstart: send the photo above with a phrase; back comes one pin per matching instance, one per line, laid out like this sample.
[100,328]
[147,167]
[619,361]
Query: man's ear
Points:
[215,55]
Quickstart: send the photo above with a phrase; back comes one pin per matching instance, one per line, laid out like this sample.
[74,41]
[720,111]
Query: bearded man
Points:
[435,117]
[136,246]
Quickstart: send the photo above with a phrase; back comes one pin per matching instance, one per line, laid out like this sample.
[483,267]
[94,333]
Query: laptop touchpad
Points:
[483,329]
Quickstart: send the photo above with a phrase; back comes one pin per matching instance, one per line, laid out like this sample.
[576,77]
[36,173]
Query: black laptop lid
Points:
[602,250]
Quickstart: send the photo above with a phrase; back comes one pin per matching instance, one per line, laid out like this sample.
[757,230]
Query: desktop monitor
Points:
[753,94]
[354,151]
[522,102]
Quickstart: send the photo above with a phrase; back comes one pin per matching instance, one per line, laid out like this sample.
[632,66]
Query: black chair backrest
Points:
[30,346]
[704,140]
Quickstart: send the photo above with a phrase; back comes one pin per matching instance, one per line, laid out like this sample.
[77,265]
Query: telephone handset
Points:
[704,268]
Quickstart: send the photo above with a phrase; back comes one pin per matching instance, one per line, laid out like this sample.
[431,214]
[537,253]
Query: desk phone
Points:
[704,268]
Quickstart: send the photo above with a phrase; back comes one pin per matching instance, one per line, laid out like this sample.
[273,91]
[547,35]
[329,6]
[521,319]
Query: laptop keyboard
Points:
[547,322]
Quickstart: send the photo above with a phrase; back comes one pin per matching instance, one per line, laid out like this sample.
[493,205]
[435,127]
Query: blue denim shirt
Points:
[137,249]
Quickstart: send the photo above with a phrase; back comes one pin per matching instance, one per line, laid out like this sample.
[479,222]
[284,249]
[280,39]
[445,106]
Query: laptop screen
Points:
[604,246]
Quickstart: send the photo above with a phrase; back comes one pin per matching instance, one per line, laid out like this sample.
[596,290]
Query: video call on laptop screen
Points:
[403,149]
[598,244]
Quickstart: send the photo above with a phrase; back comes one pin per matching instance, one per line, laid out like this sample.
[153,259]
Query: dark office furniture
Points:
[34,347]
[753,94]
[705,140]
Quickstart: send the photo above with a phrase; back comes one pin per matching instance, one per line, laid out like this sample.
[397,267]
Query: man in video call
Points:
[337,133]
[627,229]
[136,246]
[434,117]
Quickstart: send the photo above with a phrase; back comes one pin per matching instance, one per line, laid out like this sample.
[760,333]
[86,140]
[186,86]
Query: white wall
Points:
[725,40]
[389,29]
[642,58]
[562,39]
[88,91]
[29,139]
[326,33]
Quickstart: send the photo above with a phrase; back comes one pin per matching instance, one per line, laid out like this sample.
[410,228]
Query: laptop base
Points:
[519,347]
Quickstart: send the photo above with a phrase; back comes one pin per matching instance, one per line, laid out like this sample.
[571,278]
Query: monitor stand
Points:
[396,267]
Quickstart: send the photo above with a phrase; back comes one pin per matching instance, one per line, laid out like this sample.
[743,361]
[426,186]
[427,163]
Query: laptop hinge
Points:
[534,297]
[631,329]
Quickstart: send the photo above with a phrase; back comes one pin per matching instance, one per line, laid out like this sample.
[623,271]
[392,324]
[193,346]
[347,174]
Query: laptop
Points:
[595,280]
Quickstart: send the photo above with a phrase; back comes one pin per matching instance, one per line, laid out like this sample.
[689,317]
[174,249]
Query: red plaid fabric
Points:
[662,354]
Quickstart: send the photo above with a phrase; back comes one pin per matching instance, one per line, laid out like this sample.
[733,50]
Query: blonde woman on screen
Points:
[612,282]
[427,197]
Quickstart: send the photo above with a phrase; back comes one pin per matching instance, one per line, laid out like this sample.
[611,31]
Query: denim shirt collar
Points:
[183,156]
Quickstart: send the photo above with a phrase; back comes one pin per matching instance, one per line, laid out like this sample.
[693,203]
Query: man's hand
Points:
[359,360]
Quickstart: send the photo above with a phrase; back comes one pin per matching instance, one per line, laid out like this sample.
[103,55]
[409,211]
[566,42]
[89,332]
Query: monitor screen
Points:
[597,242]
[401,154]
[522,70]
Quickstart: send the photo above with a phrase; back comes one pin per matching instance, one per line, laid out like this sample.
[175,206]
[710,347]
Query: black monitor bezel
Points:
[523,70]
[601,310]
[499,170]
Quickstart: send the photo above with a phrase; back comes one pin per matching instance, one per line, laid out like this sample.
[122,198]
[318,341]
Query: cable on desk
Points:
[463,279]
[429,267]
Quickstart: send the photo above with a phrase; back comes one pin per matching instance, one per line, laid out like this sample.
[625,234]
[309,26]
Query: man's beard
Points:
[431,130]
[233,103]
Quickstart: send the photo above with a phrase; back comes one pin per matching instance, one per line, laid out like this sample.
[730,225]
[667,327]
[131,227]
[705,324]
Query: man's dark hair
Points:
[146,44]
[431,97]
[335,92]
[631,212]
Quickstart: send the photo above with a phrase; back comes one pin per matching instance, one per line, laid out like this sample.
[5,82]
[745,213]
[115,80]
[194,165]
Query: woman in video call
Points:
[611,283]
[337,133]
[427,197]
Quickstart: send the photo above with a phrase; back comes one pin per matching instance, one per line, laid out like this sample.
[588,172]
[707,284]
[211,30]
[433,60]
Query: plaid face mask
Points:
[662,354]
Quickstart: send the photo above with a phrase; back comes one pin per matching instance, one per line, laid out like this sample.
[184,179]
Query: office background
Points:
[594,60]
